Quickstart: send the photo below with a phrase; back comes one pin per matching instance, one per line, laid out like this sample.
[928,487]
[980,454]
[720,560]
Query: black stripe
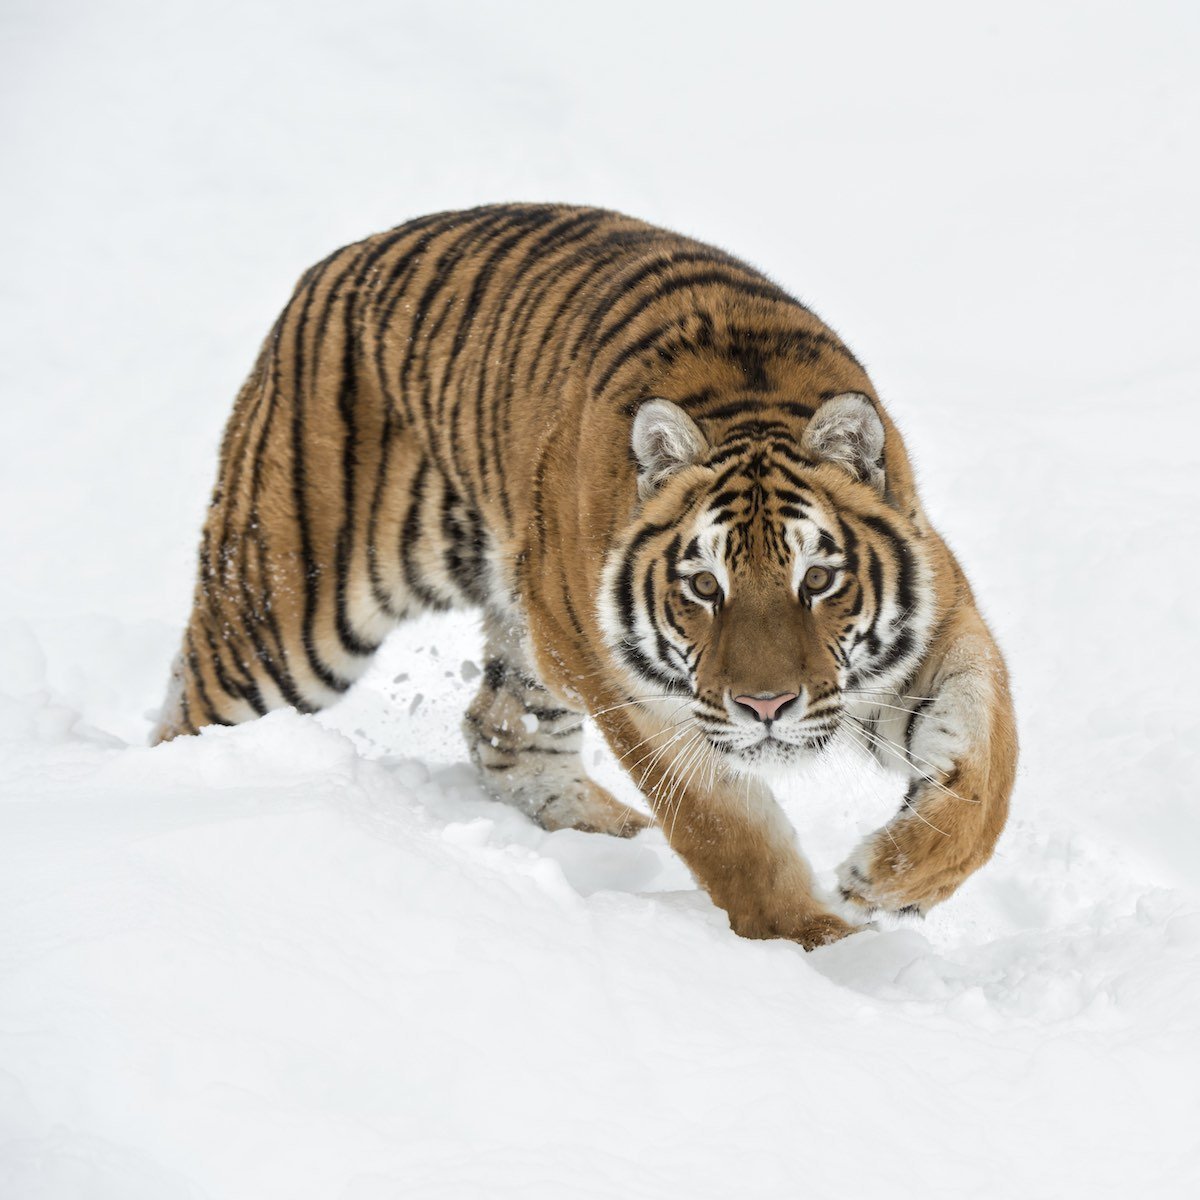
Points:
[613,255]
[409,536]
[737,284]
[252,613]
[625,589]
[402,270]
[311,569]
[383,305]
[455,224]
[905,567]
[669,618]
[914,716]
[759,428]
[572,615]
[635,659]
[464,550]
[575,228]
[443,272]
[245,688]
[346,400]
[849,543]
[900,649]
[383,598]
[550,714]
[875,574]
[193,661]
[276,666]
[484,274]
[626,285]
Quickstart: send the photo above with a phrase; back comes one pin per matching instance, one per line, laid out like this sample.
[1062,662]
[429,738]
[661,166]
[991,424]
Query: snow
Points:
[307,957]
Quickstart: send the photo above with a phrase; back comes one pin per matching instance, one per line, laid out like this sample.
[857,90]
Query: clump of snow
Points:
[308,957]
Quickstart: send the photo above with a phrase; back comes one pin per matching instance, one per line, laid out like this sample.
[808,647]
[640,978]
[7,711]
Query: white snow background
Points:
[306,957]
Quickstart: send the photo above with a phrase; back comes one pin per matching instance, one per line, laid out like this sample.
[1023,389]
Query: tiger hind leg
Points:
[527,746]
[286,611]
[242,658]
[292,616]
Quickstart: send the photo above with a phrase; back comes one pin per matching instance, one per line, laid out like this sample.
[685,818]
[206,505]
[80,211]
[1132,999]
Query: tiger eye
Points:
[705,585]
[817,579]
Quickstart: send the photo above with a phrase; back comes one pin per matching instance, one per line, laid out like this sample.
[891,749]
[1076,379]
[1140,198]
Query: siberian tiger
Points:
[682,509]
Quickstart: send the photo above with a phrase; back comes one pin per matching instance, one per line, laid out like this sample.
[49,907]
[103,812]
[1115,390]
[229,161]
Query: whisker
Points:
[886,829]
[893,707]
[695,761]
[884,744]
[637,700]
[912,807]
[909,755]
[572,728]
[666,783]
[654,753]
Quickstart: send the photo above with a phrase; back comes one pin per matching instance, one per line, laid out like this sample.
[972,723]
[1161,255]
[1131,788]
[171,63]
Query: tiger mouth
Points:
[770,744]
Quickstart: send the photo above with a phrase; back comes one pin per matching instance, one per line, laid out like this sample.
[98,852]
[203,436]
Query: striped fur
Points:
[454,414]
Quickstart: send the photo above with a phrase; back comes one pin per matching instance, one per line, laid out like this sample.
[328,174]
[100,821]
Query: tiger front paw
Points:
[864,896]
[823,929]
[882,877]
[811,928]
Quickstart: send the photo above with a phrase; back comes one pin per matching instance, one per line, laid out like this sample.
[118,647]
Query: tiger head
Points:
[765,585]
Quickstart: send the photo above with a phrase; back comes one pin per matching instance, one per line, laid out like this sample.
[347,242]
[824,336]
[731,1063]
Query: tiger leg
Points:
[249,649]
[281,620]
[267,630]
[730,831]
[271,626]
[960,758]
[526,745]
[328,526]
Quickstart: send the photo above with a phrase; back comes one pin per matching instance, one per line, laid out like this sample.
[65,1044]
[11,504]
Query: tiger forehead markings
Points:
[682,510]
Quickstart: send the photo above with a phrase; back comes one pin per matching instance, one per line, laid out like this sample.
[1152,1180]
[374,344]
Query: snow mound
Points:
[276,961]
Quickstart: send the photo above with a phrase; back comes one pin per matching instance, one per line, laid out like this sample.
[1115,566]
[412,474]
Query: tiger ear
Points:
[846,431]
[664,440]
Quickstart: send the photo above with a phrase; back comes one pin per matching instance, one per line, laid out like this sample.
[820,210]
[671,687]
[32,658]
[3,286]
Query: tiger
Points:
[679,505]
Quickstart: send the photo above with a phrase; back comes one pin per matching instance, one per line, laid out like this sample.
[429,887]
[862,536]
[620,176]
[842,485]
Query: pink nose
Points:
[765,707]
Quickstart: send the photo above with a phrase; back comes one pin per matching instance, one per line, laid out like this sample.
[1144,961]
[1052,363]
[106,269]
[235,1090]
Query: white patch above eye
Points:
[711,538]
[804,537]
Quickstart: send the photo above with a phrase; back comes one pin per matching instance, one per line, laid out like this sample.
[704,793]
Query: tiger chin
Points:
[683,511]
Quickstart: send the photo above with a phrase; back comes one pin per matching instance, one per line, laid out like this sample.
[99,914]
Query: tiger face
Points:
[766,583]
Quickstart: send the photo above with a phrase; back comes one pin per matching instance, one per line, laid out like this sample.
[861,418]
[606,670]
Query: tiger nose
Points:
[766,708]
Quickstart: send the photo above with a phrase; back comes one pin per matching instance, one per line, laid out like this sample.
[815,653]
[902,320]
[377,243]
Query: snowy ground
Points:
[305,957]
